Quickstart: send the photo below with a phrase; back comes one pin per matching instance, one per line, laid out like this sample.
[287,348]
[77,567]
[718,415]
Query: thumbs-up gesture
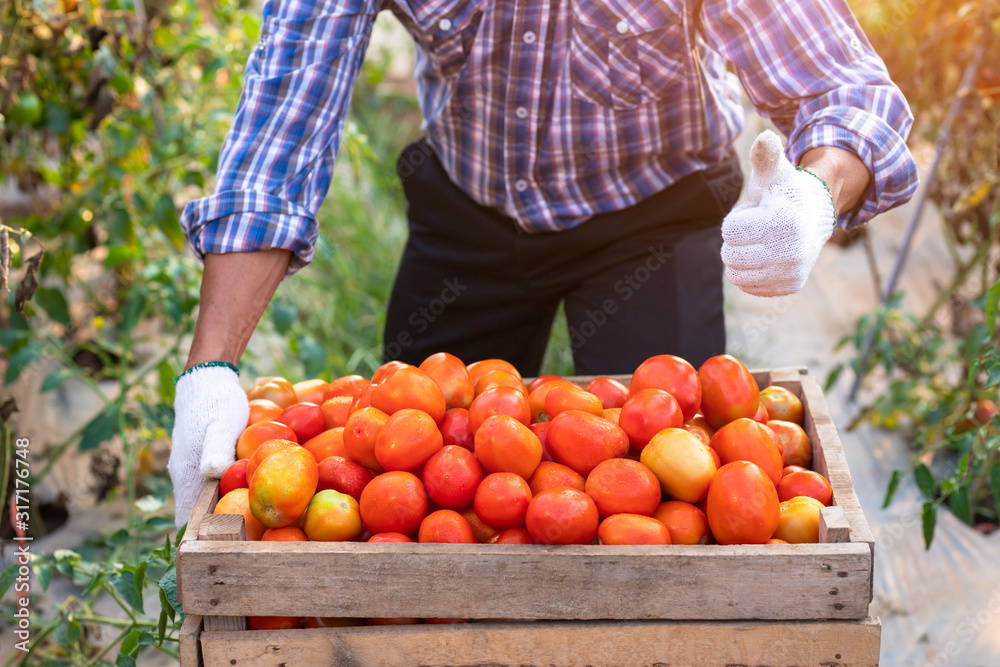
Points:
[772,241]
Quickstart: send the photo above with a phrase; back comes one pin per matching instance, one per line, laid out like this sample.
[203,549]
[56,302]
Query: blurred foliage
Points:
[938,371]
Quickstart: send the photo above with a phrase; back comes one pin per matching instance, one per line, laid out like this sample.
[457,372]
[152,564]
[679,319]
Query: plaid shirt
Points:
[552,110]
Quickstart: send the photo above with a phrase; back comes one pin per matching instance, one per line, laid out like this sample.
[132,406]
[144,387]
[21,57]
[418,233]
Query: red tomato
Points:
[728,391]
[394,502]
[455,429]
[541,431]
[328,443]
[581,440]
[782,404]
[742,504]
[699,433]
[562,515]
[309,391]
[348,385]
[387,369]
[256,434]
[788,470]
[537,396]
[550,473]
[805,483]
[632,529]
[337,410]
[451,375]
[504,444]
[747,440]
[389,537]
[409,387]
[343,475]
[407,439]
[362,400]
[646,413]
[793,441]
[620,486]
[446,526]
[687,524]
[540,380]
[451,477]
[511,536]
[673,375]
[561,398]
[761,415]
[798,522]
[502,500]
[499,378]
[361,435]
[235,477]
[480,368]
[276,389]
[274,622]
[306,419]
[611,392]
[499,401]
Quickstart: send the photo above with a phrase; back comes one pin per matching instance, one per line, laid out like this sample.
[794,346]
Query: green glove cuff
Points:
[208,364]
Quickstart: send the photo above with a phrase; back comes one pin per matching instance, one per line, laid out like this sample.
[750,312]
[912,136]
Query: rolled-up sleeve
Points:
[277,160]
[808,66]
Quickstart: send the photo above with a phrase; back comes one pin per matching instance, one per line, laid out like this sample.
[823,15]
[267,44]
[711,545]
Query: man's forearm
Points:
[843,171]
[235,290]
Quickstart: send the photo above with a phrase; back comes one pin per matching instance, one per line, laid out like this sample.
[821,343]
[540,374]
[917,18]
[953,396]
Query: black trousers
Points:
[638,282]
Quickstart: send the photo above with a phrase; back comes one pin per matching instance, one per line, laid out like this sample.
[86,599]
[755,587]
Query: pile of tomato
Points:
[456,453]
[446,452]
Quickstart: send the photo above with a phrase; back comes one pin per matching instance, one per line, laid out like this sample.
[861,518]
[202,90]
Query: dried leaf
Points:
[4,259]
[7,408]
[29,284]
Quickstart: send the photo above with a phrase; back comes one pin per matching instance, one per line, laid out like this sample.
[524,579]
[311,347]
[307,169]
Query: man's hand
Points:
[211,411]
[772,241]
[210,407]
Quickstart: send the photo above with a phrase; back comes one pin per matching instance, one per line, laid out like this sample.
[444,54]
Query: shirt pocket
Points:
[625,54]
[446,31]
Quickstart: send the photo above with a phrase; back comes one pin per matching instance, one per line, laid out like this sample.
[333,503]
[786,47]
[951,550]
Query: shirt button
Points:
[521,113]
[529,37]
[444,24]
[855,43]
[622,27]
[521,185]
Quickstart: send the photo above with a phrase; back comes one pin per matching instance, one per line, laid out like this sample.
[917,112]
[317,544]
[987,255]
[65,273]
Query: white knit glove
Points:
[772,241]
[210,413]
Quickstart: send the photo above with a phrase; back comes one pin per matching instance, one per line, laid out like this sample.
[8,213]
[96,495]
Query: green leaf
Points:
[992,299]
[56,118]
[929,520]
[124,584]
[125,661]
[832,377]
[165,382]
[925,480]
[149,504]
[117,538]
[101,429]
[140,577]
[961,504]
[135,308]
[993,375]
[55,379]
[159,523]
[161,625]
[53,302]
[118,255]
[130,645]
[897,476]
[251,27]
[43,573]
[168,584]
[7,578]
[283,315]
[67,633]
[21,359]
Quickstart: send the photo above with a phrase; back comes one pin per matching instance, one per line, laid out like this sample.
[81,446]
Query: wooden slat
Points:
[833,525]
[207,499]
[188,645]
[810,581]
[596,643]
[223,529]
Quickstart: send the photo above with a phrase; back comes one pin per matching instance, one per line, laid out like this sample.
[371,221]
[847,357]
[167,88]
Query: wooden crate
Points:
[615,605]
